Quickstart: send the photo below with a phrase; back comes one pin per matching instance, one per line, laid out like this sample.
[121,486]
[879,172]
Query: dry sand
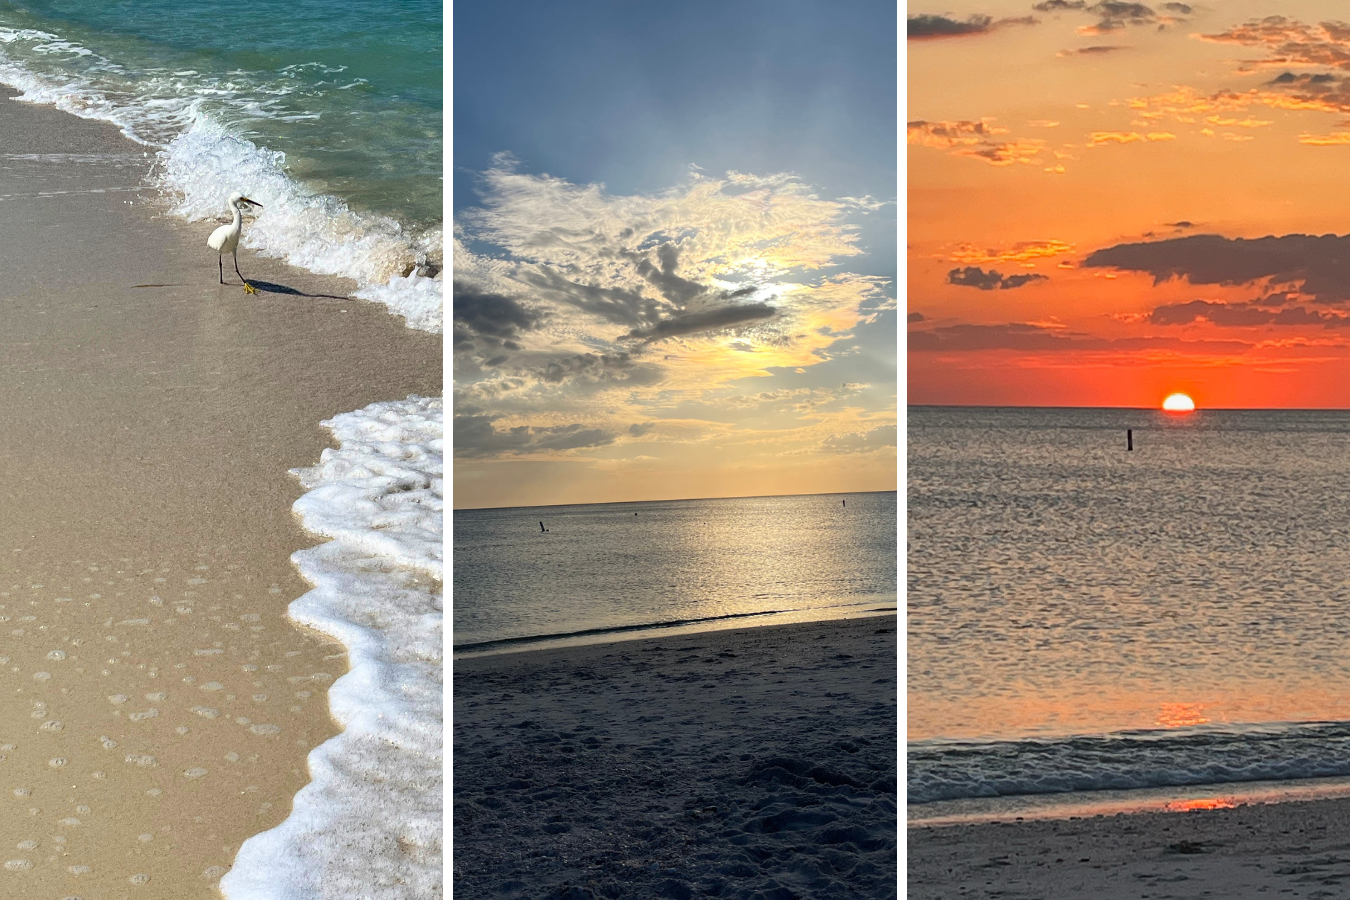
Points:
[758,762]
[1277,850]
[156,706]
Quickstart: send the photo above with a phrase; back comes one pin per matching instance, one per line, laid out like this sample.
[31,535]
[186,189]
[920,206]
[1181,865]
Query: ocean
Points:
[1095,628]
[328,113]
[613,570]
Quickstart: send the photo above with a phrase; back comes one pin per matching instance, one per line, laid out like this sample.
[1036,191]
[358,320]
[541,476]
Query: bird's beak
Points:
[251,202]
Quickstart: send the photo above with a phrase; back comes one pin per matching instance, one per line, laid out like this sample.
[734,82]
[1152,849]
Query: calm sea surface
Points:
[1083,618]
[608,568]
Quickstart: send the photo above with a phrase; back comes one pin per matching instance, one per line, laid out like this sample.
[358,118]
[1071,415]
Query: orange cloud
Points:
[1022,251]
[1325,140]
[974,139]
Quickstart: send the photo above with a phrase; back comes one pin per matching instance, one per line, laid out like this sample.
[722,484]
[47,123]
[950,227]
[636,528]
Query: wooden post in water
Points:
[1129,438]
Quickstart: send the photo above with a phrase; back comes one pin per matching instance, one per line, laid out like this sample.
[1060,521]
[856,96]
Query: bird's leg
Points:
[220,261]
[248,288]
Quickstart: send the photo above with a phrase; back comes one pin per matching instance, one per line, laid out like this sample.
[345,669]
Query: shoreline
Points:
[161,703]
[731,761]
[1296,847]
[622,633]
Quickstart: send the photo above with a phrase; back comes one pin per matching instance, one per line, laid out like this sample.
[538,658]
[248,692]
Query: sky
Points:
[1109,202]
[675,258]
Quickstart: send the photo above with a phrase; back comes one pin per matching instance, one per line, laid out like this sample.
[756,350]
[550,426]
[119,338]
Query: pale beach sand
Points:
[157,705]
[1299,849]
[756,762]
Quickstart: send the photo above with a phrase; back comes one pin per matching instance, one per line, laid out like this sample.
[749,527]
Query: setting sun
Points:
[1178,403]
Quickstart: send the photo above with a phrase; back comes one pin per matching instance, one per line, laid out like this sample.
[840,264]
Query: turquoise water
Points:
[349,90]
[327,113]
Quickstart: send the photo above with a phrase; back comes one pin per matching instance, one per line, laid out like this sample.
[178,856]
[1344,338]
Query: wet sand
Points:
[758,762]
[1276,850]
[157,705]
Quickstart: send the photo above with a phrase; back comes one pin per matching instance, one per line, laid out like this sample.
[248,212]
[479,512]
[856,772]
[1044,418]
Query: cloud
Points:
[1096,50]
[714,319]
[1319,265]
[1099,138]
[971,276]
[916,317]
[922,27]
[742,275]
[1239,315]
[477,436]
[483,320]
[1058,5]
[1113,15]
[1022,251]
[1027,337]
[878,438]
[621,306]
[591,366]
[978,140]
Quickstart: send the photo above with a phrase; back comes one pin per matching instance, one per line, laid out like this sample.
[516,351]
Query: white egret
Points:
[225,239]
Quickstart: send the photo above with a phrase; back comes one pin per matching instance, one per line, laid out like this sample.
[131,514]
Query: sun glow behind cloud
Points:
[591,327]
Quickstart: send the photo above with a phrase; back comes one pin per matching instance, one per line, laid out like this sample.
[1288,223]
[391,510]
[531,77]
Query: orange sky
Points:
[1064,161]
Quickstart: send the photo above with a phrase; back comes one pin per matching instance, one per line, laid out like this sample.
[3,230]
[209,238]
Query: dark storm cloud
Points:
[1025,337]
[1182,224]
[638,429]
[1181,9]
[915,317]
[925,26]
[973,276]
[713,319]
[1321,264]
[1242,314]
[476,436]
[617,305]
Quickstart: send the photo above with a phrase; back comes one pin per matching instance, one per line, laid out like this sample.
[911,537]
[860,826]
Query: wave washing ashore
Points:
[329,114]
[613,570]
[1094,629]
[369,823]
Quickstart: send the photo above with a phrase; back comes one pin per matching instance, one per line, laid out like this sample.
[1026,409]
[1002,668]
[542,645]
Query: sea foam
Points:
[200,161]
[369,823]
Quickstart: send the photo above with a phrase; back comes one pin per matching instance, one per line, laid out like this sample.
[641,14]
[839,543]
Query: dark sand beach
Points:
[158,705]
[759,762]
[1299,849]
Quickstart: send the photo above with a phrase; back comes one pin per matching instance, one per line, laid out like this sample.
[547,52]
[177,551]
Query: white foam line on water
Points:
[368,825]
[201,162]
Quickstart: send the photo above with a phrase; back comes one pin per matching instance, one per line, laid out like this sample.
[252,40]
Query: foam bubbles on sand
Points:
[369,823]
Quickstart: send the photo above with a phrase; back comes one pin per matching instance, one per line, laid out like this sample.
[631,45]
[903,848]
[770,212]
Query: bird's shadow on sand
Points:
[270,287]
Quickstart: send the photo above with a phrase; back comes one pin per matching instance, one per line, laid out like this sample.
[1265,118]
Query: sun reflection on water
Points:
[1179,715]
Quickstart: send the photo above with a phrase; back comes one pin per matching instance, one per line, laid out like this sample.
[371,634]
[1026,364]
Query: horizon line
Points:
[668,500]
[1132,408]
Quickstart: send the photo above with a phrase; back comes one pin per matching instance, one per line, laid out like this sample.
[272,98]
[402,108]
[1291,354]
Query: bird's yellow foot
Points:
[249,289]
